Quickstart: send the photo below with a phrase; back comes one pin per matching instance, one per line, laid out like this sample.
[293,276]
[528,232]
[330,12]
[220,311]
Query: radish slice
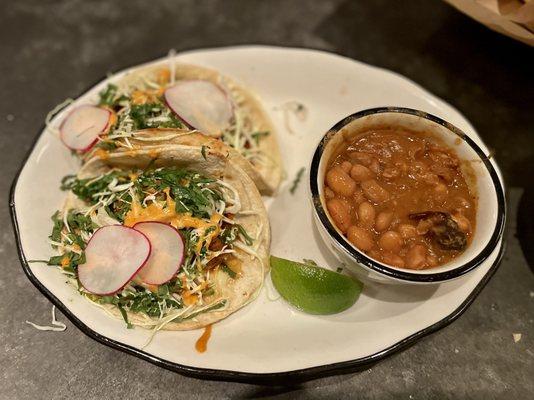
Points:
[81,128]
[200,104]
[167,252]
[113,256]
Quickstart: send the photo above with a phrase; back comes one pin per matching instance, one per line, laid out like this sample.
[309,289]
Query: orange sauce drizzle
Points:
[202,343]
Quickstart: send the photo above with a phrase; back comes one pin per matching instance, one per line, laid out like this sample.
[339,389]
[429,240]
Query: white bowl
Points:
[486,184]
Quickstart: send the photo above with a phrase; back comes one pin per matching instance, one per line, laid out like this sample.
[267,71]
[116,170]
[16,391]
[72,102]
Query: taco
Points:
[183,97]
[115,235]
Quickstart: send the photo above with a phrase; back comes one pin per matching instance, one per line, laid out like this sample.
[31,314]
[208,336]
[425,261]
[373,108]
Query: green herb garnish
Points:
[258,135]
[228,270]
[107,96]
[149,115]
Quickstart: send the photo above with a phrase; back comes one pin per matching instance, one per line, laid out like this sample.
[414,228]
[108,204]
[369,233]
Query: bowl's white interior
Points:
[481,186]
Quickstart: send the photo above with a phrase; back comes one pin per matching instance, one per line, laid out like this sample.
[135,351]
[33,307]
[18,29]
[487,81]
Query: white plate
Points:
[266,341]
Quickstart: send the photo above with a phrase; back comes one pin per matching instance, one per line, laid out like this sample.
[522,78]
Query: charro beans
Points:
[358,196]
[329,193]
[361,238]
[383,220]
[392,259]
[340,182]
[416,257]
[360,173]
[390,241]
[393,192]
[366,214]
[407,231]
[374,192]
[346,166]
[339,210]
[362,158]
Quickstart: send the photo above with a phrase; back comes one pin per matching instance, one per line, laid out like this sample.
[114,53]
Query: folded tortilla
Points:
[263,163]
[213,159]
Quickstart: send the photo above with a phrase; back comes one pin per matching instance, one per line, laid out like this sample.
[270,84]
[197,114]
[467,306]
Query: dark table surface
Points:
[53,49]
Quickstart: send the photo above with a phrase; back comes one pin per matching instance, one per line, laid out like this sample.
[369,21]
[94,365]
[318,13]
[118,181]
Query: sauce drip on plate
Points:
[202,343]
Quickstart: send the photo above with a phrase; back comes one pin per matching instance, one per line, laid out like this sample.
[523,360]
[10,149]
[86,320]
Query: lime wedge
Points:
[313,289]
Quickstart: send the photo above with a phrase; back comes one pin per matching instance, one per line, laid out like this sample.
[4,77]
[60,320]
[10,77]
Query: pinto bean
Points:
[375,166]
[358,196]
[346,166]
[407,231]
[340,182]
[391,172]
[383,220]
[360,238]
[329,193]
[393,259]
[366,214]
[374,192]
[391,241]
[340,212]
[439,193]
[360,173]
[416,257]
[362,158]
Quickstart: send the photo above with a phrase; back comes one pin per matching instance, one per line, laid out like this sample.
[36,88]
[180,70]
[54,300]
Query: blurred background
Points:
[52,50]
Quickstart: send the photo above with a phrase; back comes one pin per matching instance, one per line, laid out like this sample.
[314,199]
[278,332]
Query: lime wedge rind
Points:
[312,289]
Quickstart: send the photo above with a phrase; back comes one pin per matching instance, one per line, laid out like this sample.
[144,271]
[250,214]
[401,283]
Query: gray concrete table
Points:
[51,50]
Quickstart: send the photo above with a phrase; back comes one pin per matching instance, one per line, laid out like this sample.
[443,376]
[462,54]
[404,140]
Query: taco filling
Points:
[156,105]
[209,252]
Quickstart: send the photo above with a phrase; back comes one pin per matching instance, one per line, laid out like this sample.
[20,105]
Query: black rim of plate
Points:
[362,258]
[278,378]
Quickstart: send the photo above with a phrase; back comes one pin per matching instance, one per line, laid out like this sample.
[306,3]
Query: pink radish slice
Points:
[113,256]
[200,104]
[81,128]
[167,252]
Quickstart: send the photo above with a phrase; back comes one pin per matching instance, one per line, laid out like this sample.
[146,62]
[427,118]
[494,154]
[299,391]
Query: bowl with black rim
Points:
[485,183]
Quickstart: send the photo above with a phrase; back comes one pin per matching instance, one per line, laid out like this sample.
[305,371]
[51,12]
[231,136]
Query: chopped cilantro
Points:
[258,135]
[106,145]
[228,270]
[230,234]
[107,96]
[149,115]
[58,227]
[243,232]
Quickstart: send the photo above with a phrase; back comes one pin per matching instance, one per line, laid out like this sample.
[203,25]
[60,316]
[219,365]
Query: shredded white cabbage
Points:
[56,325]
[54,112]
[172,65]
